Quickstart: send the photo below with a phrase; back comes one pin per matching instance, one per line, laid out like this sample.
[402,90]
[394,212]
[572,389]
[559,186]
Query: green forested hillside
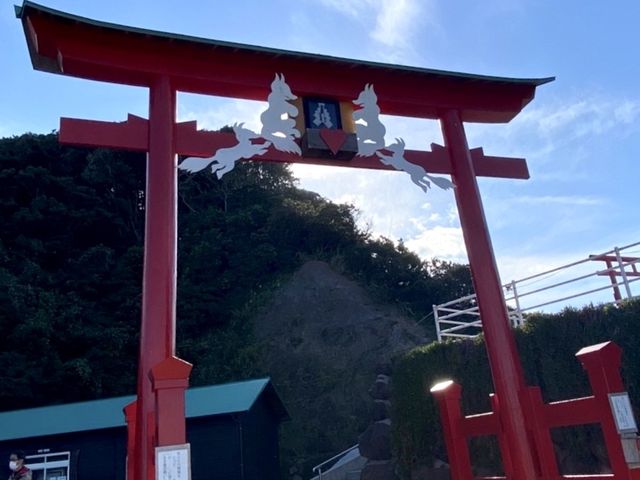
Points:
[71,265]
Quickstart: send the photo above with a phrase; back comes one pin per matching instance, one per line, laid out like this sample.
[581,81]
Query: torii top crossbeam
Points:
[134,56]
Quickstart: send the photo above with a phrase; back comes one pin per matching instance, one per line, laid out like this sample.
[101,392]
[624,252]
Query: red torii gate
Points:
[69,45]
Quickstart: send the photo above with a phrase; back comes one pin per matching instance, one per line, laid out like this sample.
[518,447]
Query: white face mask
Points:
[13,465]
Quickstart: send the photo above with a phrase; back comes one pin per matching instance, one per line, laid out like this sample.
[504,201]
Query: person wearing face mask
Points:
[19,470]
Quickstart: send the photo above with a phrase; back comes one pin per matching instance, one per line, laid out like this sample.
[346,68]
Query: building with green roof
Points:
[232,429]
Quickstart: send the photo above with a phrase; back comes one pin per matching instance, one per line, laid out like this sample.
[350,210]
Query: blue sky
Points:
[581,135]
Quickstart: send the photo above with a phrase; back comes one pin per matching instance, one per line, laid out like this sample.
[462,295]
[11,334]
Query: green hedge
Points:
[547,345]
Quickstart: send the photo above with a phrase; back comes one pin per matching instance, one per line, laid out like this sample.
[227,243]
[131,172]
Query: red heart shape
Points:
[334,139]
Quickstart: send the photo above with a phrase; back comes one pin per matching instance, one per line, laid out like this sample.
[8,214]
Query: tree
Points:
[71,266]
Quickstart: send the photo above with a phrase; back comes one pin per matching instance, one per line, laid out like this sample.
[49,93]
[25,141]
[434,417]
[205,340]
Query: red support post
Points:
[503,441]
[448,397]
[170,379]
[614,281]
[540,432]
[157,333]
[505,365]
[130,418]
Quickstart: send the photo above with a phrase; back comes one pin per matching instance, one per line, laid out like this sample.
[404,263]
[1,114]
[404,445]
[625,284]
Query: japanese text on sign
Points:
[622,412]
[173,462]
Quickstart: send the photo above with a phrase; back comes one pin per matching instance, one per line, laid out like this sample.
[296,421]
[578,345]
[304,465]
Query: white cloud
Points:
[445,243]
[518,267]
[560,200]
[549,121]
[352,8]
[393,24]
[213,113]
[545,127]
[418,134]
[627,112]
[313,173]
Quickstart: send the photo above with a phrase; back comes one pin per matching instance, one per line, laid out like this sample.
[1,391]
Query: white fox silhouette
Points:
[418,174]
[278,124]
[224,159]
[369,129]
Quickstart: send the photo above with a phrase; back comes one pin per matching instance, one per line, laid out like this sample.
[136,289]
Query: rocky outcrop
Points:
[322,338]
[375,442]
[378,470]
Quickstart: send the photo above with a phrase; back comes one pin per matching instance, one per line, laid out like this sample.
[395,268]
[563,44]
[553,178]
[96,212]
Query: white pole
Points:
[520,320]
[623,272]
[436,318]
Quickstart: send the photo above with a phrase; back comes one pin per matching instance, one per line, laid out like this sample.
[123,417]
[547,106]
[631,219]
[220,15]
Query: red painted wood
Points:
[157,333]
[456,443]
[170,379]
[505,365]
[133,135]
[577,411]
[435,161]
[612,274]
[130,411]
[503,440]
[602,363]
[88,49]
[613,258]
[544,453]
[480,424]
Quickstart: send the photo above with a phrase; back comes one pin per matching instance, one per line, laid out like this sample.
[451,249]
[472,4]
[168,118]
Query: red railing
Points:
[602,364]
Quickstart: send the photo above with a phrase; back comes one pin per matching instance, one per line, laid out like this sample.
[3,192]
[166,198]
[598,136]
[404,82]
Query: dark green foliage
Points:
[71,254]
[71,248]
[69,271]
[547,345]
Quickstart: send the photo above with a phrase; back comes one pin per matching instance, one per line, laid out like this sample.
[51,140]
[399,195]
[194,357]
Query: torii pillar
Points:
[66,44]
[506,368]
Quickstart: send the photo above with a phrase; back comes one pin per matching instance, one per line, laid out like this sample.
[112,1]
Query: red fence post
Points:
[503,441]
[448,396]
[602,363]
[130,411]
[540,432]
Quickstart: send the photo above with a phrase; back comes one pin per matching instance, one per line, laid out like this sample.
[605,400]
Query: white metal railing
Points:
[552,289]
[49,466]
[328,464]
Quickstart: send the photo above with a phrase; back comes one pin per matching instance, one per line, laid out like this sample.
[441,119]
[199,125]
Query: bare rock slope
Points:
[323,338]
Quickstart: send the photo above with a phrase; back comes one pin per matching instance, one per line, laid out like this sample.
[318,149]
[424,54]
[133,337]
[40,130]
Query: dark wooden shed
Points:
[232,430]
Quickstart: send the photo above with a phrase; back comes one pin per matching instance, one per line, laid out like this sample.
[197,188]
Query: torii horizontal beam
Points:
[133,134]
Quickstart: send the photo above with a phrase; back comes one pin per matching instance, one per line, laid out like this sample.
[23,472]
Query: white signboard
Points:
[173,462]
[622,412]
